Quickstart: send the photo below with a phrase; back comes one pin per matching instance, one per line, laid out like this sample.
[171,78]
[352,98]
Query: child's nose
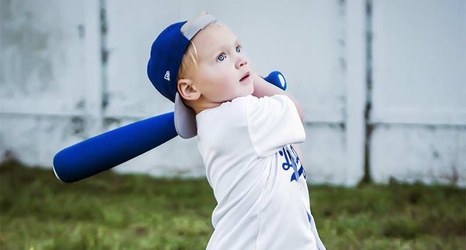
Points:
[241,61]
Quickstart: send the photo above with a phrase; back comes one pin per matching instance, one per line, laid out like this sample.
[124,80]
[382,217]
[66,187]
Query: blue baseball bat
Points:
[112,148]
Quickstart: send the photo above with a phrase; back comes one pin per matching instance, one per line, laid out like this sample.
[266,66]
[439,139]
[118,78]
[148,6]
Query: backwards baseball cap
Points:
[165,60]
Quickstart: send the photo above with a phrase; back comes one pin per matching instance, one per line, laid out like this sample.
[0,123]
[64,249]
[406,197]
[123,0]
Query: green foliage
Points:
[111,211]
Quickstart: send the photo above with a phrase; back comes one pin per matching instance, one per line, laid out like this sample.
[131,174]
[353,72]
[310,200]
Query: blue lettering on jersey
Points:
[292,161]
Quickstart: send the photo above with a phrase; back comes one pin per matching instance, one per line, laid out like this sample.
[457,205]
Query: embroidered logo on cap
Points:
[167,76]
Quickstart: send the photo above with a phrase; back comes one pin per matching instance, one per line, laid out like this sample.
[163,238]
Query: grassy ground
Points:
[111,211]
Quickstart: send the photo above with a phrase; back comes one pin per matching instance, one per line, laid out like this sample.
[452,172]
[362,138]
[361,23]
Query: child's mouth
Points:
[244,77]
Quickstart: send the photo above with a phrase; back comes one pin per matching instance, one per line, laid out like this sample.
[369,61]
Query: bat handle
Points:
[276,78]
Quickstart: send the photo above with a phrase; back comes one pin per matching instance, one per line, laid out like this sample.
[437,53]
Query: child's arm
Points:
[263,88]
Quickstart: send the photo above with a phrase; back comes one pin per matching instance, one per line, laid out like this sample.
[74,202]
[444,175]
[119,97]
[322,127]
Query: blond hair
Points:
[188,61]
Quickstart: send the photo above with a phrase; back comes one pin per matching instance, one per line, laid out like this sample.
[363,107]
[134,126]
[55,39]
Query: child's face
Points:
[223,71]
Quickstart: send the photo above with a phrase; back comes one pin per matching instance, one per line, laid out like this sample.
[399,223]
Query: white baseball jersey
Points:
[257,177]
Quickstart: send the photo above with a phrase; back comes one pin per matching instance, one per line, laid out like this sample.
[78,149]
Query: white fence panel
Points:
[50,67]
[419,90]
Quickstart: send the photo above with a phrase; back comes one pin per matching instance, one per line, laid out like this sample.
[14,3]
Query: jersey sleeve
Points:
[273,122]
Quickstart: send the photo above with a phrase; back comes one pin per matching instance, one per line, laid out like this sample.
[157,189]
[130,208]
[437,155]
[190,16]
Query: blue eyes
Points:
[223,56]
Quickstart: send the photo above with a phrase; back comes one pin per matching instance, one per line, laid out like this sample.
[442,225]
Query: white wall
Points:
[49,76]
[52,80]
[419,90]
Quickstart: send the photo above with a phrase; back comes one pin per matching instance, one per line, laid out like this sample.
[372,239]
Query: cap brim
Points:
[185,119]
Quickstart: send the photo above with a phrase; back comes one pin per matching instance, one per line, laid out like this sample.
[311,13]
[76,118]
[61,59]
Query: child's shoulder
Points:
[237,103]
[274,100]
[250,99]
[244,104]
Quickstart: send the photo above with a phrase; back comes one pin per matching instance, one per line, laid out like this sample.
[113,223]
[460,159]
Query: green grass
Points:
[111,211]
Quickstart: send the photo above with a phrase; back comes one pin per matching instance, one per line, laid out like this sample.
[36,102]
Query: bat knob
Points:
[276,78]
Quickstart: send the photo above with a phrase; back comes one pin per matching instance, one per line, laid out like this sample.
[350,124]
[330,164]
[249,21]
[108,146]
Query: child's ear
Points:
[187,89]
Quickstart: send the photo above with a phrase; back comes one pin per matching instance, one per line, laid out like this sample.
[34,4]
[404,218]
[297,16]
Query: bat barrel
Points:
[112,148]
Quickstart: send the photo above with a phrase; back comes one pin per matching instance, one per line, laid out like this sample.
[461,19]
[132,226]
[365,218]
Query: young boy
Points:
[245,128]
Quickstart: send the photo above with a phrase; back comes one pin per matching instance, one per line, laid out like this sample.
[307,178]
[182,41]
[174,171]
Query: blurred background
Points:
[383,83]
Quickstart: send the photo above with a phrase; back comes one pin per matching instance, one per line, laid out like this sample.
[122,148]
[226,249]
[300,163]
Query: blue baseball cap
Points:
[164,63]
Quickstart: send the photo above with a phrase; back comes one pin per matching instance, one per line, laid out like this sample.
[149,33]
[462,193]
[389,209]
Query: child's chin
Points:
[249,91]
